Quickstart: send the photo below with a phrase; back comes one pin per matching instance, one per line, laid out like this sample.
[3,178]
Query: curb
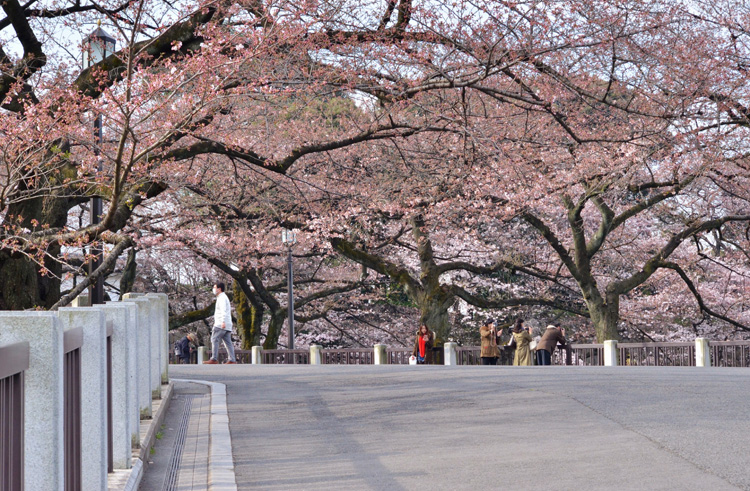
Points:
[221,475]
[156,423]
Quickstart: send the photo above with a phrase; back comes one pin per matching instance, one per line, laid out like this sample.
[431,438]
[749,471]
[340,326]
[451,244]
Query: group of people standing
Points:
[524,343]
[521,338]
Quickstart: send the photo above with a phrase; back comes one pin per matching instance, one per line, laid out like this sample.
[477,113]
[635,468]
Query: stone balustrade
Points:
[126,340]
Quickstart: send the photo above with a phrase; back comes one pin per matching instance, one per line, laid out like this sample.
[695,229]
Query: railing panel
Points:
[110,454]
[348,356]
[589,355]
[730,353]
[72,418]
[657,354]
[285,356]
[11,427]
[398,356]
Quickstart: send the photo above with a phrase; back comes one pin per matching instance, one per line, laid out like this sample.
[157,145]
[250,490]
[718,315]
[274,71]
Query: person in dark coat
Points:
[184,345]
[423,346]
[548,344]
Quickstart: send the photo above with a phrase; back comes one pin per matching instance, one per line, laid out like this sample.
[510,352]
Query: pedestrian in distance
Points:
[222,331]
[423,346]
[489,352]
[548,344]
[183,347]
[522,339]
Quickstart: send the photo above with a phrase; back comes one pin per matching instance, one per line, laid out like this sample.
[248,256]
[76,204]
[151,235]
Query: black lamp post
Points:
[289,238]
[98,46]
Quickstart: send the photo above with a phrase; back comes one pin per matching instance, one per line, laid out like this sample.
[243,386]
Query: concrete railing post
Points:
[380,355]
[202,355]
[257,355]
[93,392]
[162,317]
[44,460]
[449,352]
[610,353]
[702,353]
[144,360]
[315,358]
[125,426]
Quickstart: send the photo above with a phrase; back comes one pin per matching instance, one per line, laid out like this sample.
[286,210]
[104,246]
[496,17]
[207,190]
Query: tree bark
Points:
[274,329]
[249,318]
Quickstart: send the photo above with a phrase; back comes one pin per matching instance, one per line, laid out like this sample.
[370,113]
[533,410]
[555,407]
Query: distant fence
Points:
[722,354]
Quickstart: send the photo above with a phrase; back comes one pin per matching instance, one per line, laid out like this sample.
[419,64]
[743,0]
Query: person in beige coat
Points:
[522,338]
[489,352]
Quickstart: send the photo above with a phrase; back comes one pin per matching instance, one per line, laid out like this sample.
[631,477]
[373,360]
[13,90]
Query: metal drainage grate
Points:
[170,480]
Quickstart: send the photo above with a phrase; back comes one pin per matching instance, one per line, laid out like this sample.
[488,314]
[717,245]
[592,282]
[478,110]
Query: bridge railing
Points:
[70,388]
[722,354]
[730,353]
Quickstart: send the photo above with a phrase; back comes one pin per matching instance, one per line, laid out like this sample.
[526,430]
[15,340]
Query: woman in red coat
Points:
[423,346]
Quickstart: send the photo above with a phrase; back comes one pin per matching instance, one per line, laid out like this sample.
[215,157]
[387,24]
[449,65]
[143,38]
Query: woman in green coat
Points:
[522,338]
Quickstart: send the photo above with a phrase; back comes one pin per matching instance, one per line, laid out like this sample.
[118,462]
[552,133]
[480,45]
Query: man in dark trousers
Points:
[548,344]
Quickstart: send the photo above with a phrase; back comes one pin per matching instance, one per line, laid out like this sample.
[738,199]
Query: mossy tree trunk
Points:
[249,317]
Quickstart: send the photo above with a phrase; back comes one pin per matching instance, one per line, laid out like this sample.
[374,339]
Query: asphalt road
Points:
[546,428]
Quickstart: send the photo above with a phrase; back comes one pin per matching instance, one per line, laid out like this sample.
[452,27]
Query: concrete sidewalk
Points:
[193,446]
[403,427]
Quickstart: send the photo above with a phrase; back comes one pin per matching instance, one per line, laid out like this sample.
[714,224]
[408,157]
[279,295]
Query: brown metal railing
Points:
[14,360]
[398,356]
[657,354]
[110,456]
[286,356]
[470,355]
[589,355]
[730,353]
[73,340]
[723,354]
[348,356]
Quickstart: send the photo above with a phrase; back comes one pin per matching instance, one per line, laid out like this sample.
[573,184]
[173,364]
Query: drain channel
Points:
[170,480]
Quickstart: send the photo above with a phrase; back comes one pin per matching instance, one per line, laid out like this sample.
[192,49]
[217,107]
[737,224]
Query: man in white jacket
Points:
[222,331]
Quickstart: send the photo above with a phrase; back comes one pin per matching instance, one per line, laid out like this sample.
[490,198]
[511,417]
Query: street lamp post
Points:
[98,46]
[289,238]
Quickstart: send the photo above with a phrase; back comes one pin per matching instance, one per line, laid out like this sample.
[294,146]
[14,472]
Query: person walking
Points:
[184,347]
[489,352]
[548,344]
[222,331]
[423,346]
[522,339]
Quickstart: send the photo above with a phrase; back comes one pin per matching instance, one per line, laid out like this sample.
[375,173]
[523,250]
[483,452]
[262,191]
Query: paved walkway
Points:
[403,427]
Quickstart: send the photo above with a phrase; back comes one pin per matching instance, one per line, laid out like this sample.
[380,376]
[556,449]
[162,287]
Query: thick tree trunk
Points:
[249,318]
[18,284]
[244,316]
[605,315]
[433,307]
[274,329]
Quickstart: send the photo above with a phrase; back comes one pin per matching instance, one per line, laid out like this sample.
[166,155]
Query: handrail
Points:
[72,339]
[14,358]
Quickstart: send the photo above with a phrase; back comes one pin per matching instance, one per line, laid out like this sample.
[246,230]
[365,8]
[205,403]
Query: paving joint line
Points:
[170,480]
